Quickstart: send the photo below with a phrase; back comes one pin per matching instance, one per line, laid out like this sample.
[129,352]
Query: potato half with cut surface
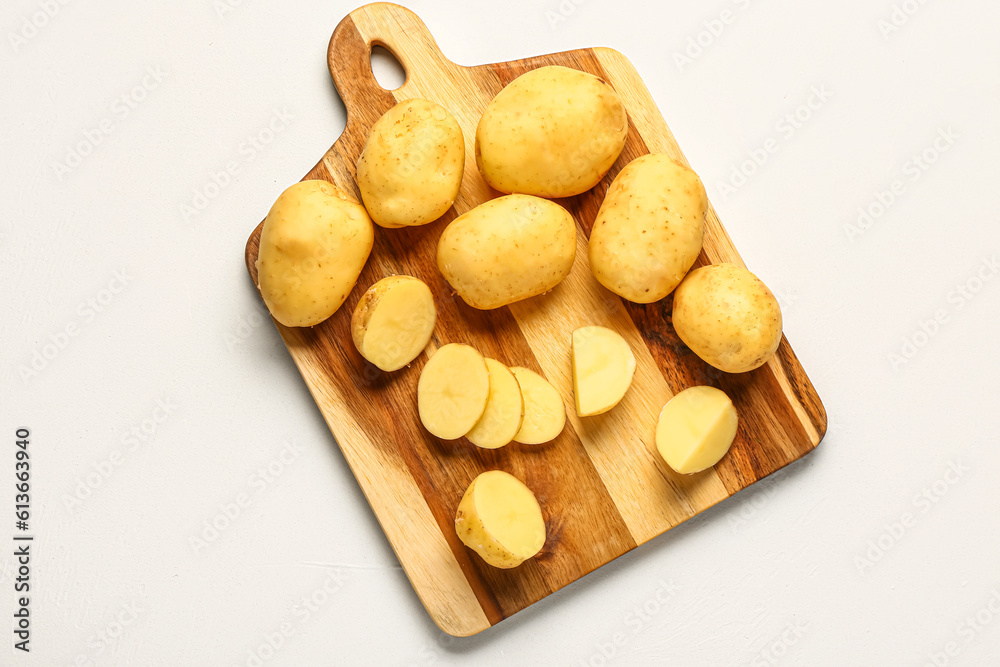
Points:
[603,366]
[507,249]
[314,243]
[695,429]
[452,391]
[393,321]
[544,412]
[551,132]
[499,518]
[504,411]
[648,231]
[410,170]
[728,317]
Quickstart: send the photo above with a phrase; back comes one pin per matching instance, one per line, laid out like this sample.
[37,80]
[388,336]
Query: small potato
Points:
[552,132]
[603,365]
[393,321]
[504,410]
[544,412]
[506,250]
[648,231]
[315,241]
[452,391]
[728,317]
[696,428]
[499,518]
[410,170]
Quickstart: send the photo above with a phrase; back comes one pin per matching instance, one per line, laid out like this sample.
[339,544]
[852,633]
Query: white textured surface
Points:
[771,576]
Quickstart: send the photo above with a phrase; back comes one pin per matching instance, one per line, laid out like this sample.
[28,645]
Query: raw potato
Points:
[603,365]
[552,132]
[507,249]
[648,231]
[315,241]
[504,409]
[499,518]
[452,391]
[393,321]
[728,317]
[544,412]
[411,167]
[696,429]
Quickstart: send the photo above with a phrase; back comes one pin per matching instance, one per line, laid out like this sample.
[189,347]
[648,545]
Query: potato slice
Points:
[544,412]
[504,409]
[603,365]
[499,518]
[452,391]
[393,321]
[696,429]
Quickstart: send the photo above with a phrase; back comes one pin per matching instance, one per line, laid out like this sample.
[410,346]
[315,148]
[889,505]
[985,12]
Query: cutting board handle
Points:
[379,24]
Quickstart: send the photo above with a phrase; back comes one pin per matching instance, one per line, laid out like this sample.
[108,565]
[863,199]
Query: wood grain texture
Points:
[602,486]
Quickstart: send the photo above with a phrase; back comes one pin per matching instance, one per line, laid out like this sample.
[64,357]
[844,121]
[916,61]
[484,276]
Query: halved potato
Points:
[452,391]
[393,321]
[544,412]
[499,518]
[696,428]
[603,365]
[504,409]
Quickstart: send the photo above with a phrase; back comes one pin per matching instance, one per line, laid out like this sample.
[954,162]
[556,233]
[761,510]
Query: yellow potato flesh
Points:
[315,241]
[499,518]
[648,231]
[552,132]
[410,170]
[393,321]
[507,249]
[728,317]
[504,409]
[544,412]
[603,365]
[696,429]
[452,391]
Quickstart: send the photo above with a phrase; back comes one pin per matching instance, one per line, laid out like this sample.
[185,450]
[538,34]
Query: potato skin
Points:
[315,241]
[648,231]
[507,249]
[410,170]
[728,317]
[552,132]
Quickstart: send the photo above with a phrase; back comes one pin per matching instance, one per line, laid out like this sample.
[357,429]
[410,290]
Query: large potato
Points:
[728,317]
[411,167]
[315,241]
[648,231]
[506,250]
[552,132]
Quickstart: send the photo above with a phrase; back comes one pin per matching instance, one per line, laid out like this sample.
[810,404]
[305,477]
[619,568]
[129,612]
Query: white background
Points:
[813,566]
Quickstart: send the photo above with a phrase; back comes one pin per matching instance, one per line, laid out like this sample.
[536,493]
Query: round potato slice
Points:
[728,317]
[410,170]
[696,428]
[452,391]
[544,412]
[603,365]
[551,132]
[393,321]
[504,409]
[499,518]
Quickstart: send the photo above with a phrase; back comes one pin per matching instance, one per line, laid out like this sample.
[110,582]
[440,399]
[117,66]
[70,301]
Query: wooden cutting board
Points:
[601,484]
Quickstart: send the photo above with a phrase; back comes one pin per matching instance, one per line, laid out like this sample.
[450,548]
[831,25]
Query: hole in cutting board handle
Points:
[388,71]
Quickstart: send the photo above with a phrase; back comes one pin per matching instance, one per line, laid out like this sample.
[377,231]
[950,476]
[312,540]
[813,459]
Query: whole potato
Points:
[552,132]
[507,249]
[648,231]
[728,317]
[315,241]
[411,167]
